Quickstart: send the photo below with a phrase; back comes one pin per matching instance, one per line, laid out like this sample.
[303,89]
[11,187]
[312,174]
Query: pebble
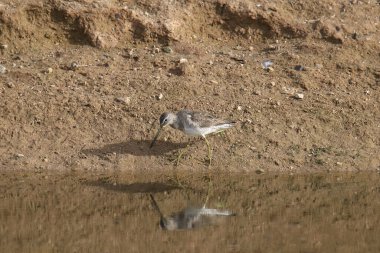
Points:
[3,46]
[167,50]
[2,69]
[299,68]
[319,66]
[160,96]
[10,85]
[183,60]
[123,100]
[298,96]
[260,171]
[239,108]
[156,50]
[266,64]
[257,92]
[19,156]
[339,163]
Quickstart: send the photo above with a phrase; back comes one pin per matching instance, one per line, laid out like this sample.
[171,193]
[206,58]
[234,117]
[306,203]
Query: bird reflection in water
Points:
[190,218]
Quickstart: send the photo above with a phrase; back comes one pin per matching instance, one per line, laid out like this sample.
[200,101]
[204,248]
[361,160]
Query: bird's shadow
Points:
[135,147]
[148,187]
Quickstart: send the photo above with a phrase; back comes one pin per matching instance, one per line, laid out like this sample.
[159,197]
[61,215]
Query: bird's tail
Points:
[216,212]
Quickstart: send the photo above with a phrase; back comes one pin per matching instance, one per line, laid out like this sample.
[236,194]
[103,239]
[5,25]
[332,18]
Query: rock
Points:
[257,92]
[10,85]
[239,108]
[160,96]
[259,171]
[123,100]
[266,64]
[183,60]
[168,50]
[3,46]
[49,70]
[319,66]
[3,69]
[298,96]
[103,40]
[74,66]
[185,69]
[156,50]
[18,156]
[299,68]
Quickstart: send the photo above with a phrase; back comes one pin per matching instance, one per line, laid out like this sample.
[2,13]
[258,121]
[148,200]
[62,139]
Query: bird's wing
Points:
[203,119]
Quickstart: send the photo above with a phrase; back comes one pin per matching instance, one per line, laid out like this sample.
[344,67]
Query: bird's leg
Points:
[209,151]
[209,189]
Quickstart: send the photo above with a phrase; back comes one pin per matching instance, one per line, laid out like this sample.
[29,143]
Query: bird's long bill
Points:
[155,137]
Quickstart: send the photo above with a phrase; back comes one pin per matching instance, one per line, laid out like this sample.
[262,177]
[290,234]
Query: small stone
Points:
[319,66]
[239,108]
[2,69]
[3,46]
[273,84]
[123,100]
[156,50]
[260,171]
[185,69]
[45,160]
[266,64]
[49,70]
[160,96]
[167,50]
[19,156]
[183,60]
[257,92]
[299,68]
[251,48]
[74,66]
[339,163]
[10,85]
[298,96]
[213,81]
[103,40]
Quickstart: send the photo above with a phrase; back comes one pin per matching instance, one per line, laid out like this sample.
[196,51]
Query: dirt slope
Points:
[83,80]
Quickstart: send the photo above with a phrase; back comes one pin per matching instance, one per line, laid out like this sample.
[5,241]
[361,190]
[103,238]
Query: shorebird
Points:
[189,218]
[193,124]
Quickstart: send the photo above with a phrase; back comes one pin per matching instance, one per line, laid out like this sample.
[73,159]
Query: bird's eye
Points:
[165,120]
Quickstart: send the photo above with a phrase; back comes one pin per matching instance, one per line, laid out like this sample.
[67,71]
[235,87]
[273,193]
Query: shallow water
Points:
[47,211]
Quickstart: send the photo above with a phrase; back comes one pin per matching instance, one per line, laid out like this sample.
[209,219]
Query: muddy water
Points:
[46,211]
